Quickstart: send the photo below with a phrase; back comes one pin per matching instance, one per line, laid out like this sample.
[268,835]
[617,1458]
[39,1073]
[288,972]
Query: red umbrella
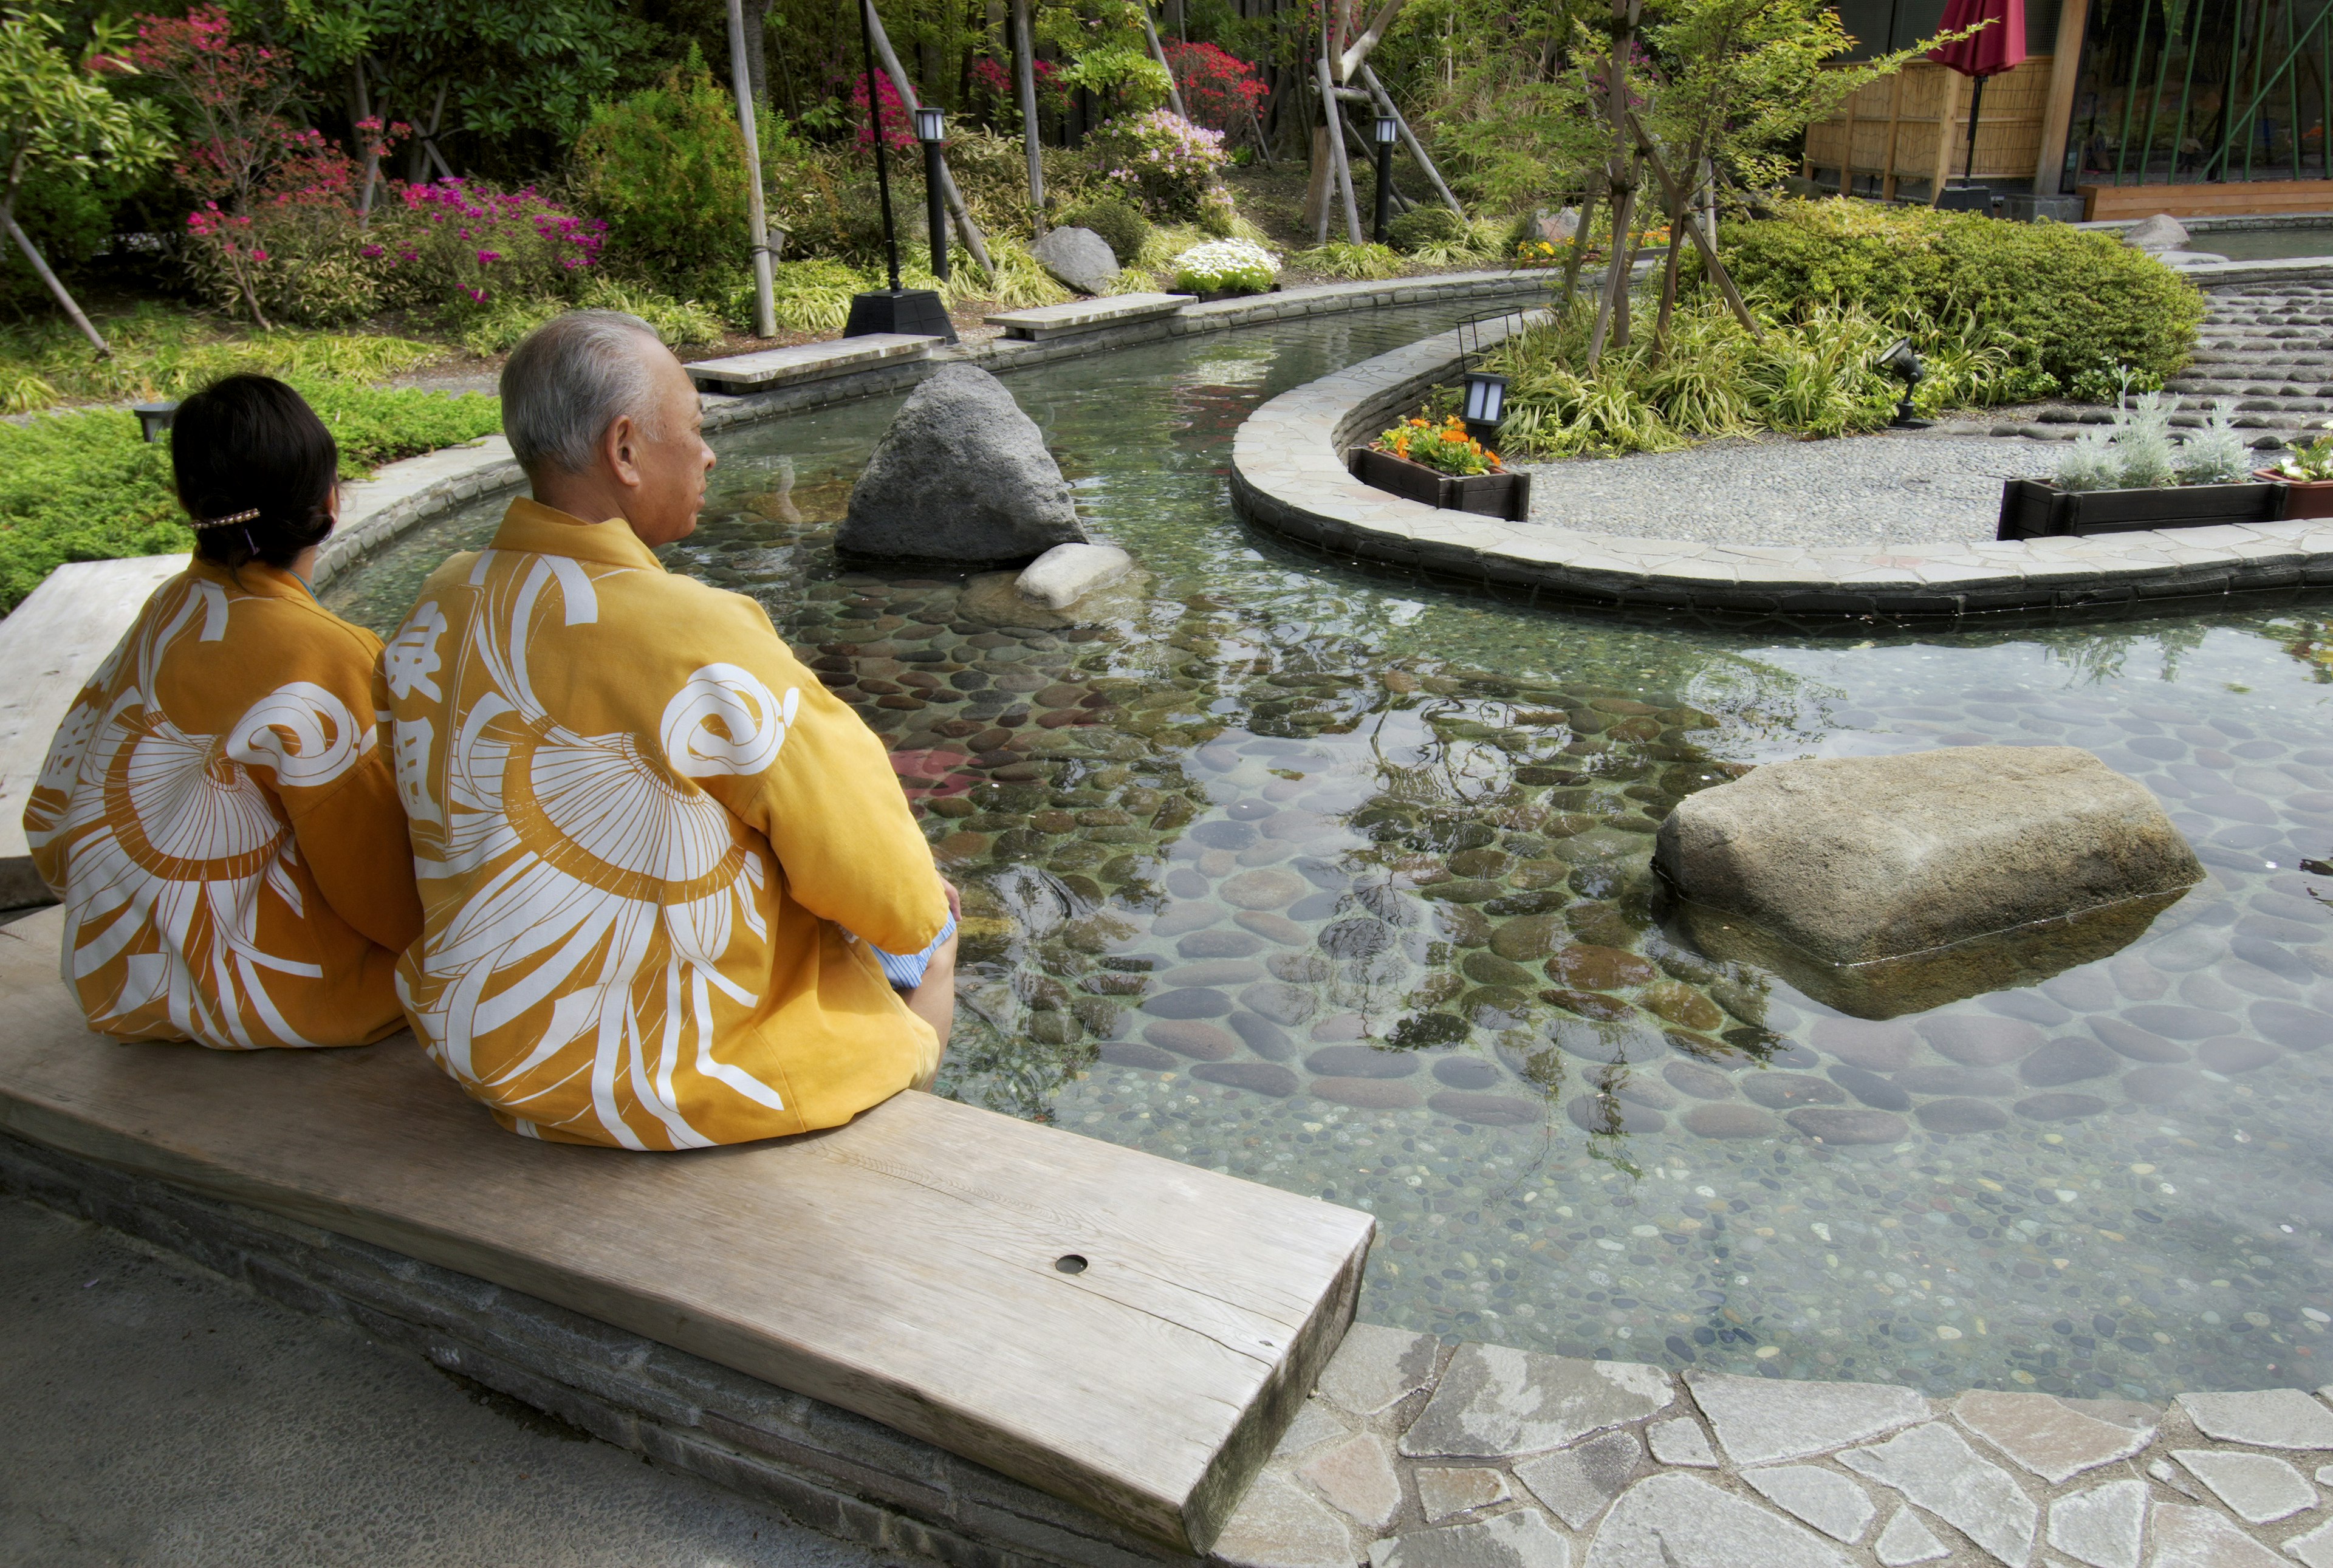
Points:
[1988,52]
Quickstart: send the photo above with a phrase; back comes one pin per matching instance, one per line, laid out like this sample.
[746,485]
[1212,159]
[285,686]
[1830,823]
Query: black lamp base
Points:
[1485,431]
[1965,199]
[916,312]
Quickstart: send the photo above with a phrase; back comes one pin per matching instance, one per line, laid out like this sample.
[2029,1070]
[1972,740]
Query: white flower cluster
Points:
[1226,264]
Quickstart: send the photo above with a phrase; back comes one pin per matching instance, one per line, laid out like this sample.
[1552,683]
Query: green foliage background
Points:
[89,487]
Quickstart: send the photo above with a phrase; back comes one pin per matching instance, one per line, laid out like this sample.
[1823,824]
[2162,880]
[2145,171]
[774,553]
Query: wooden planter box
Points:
[2037,509]
[2302,497]
[1506,495]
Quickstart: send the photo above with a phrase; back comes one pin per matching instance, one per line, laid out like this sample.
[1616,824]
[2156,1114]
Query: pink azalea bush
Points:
[1168,161]
[454,247]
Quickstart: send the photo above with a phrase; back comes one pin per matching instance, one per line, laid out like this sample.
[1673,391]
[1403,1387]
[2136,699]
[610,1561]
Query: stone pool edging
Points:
[1411,1453]
[1288,475]
[377,512]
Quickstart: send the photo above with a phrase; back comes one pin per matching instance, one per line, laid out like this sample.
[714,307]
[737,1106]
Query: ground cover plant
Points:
[88,486]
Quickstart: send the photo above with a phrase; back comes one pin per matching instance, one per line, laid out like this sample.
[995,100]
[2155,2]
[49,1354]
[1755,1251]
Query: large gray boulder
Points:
[2160,233]
[962,475]
[1079,258]
[1849,861]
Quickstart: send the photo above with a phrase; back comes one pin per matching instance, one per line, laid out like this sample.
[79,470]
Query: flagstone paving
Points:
[1413,1455]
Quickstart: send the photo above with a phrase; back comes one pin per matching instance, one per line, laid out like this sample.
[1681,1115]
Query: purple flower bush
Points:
[456,244]
[1170,162]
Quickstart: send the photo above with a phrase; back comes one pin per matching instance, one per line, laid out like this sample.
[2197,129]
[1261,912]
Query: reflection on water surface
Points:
[1340,882]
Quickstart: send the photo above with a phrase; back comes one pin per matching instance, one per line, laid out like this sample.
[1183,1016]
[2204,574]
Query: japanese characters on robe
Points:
[222,827]
[645,836]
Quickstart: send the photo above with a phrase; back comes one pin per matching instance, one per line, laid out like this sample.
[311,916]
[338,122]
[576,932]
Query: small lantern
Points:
[153,419]
[1487,400]
[931,125]
[1388,128]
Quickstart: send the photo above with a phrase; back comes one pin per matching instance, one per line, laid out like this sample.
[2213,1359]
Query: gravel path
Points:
[1896,487]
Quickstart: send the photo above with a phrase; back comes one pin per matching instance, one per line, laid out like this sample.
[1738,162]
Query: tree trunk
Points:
[1335,112]
[758,217]
[1579,245]
[1316,189]
[1024,73]
[1612,311]
[757,50]
[1150,36]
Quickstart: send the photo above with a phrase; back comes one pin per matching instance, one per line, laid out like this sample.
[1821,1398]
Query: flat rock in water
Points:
[1068,573]
[1260,1077]
[961,474]
[1084,259]
[1849,860]
[1954,1116]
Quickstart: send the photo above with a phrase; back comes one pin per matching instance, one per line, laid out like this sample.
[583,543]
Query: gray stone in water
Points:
[1068,573]
[1495,1402]
[961,474]
[1675,1520]
[1082,259]
[2160,233]
[1851,859]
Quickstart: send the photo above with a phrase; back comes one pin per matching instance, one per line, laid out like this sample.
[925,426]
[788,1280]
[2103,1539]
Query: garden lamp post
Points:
[1388,128]
[1487,400]
[917,312]
[931,129]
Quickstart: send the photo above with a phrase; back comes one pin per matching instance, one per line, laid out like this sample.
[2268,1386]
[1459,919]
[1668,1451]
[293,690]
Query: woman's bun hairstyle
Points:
[255,470]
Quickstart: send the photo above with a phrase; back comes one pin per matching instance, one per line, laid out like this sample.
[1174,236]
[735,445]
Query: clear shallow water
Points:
[1338,881]
[2265,244]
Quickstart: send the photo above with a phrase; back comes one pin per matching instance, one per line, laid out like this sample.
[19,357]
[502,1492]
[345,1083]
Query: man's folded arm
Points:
[796,764]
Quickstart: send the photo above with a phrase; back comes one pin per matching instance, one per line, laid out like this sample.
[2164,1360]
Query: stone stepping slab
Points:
[772,368]
[1045,322]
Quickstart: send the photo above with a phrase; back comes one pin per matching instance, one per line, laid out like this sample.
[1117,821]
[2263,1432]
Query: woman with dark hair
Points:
[215,814]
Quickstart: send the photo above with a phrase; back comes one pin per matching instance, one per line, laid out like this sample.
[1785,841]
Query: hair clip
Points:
[251,515]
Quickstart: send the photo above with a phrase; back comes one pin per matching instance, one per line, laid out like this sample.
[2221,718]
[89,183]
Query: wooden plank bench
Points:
[758,372]
[1046,322]
[50,646]
[916,1266]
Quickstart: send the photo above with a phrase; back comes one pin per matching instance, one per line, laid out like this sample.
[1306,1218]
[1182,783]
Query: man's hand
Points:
[954,899]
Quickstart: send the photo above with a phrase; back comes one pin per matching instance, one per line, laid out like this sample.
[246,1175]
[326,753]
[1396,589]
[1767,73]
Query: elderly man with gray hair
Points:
[665,874]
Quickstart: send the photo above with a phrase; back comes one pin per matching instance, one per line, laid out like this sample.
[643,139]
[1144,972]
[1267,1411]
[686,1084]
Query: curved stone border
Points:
[1288,474]
[1409,1454]
[377,512]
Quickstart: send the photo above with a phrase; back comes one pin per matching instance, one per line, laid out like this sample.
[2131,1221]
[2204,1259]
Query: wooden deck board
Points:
[902,1267]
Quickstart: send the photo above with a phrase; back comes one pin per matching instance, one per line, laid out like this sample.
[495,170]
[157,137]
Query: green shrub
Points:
[88,487]
[2059,300]
[666,168]
[1122,226]
[1421,226]
[1343,259]
[675,322]
[158,352]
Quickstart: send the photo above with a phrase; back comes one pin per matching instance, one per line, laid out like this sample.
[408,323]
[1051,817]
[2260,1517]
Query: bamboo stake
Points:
[1335,113]
[908,101]
[1409,140]
[765,304]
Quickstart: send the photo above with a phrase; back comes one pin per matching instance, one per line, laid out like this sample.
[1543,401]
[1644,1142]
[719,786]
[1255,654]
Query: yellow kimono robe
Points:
[652,850]
[221,828]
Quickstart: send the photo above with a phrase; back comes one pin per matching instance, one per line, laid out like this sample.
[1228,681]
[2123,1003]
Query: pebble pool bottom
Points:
[1339,880]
